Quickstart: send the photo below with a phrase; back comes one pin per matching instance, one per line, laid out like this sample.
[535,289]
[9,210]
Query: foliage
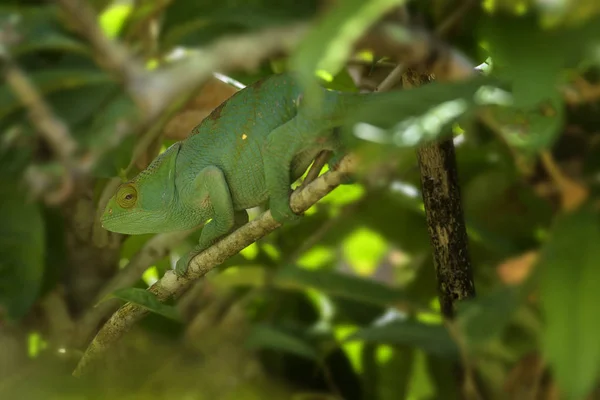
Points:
[342,303]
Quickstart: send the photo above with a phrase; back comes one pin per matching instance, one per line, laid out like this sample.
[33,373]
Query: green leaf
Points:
[486,316]
[364,249]
[433,339]
[264,336]
[533,58]
[51,81]
[77,107]
[527,56]
[329,44]
[21,250]
[533,128]
[39,29]
[405,118]
[339,284]
[393,374]
[570,297]
[518,210]
[194,23]
[118,115]
[147,300]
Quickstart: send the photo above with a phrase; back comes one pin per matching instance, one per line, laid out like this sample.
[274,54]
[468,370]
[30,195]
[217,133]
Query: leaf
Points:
[263,336]
[146,300]
[519,212]
[533,128]
[569,298]
[433,339]
[531,57]
[21,250]
[77,107]
[527,56]
[38,28]
[339,284]
[328,45]
[364,250]
[194,23]
[51,81]
[485,317]
[407,117]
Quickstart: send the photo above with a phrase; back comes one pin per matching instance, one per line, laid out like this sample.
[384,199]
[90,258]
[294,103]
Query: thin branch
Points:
[415,47]
[391,80]
[572,193]
[53,130]
[454,18]
[170,285]
[110,54]
[316,167]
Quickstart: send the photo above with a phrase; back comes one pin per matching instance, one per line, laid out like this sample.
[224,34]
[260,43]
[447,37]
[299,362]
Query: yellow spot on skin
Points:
[110,210]
[244,136]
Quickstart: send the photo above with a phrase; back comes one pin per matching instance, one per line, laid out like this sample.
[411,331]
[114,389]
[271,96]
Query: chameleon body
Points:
[248,151]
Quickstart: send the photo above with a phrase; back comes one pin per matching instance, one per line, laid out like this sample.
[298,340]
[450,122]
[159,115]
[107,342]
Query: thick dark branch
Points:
[445,222]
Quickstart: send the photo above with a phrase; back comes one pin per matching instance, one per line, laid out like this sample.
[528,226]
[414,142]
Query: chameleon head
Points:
[146,203]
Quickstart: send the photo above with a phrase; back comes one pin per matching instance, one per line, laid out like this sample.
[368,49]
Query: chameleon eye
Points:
[126,196]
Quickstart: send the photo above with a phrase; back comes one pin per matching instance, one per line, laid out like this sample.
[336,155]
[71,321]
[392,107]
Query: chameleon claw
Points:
[182,265]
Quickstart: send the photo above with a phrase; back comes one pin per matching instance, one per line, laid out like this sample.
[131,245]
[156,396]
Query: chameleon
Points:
[245,153]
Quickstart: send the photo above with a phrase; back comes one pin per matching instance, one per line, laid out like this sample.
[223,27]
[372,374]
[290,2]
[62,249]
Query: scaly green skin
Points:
[248,151]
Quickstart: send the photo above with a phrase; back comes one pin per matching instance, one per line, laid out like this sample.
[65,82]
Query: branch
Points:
[418,48]
[170,285]
[51,128]
[113,56]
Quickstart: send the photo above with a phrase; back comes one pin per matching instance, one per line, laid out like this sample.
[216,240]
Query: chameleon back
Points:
[232,137]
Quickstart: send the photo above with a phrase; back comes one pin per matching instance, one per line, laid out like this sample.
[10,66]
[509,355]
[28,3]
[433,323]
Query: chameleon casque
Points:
[248,151]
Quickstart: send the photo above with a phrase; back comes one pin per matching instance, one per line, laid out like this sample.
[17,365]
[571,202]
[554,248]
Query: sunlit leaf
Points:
[364,250]
[570,297]
[405,118]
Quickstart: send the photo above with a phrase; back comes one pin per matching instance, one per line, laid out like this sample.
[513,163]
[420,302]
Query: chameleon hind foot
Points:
[182,264]
[282,213]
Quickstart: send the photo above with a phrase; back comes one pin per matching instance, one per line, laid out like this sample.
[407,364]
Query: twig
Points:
[454,17]
[469,386]
[51,128]
[154,249]
[391,80]
[581,92]
[317,166]
[110,54]
[414,47]
[170,285]
[572,193]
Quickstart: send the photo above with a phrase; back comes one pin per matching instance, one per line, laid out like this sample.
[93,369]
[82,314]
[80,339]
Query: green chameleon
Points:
[248,151]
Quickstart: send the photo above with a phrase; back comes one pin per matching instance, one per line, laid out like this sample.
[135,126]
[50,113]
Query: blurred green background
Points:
[342,304]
